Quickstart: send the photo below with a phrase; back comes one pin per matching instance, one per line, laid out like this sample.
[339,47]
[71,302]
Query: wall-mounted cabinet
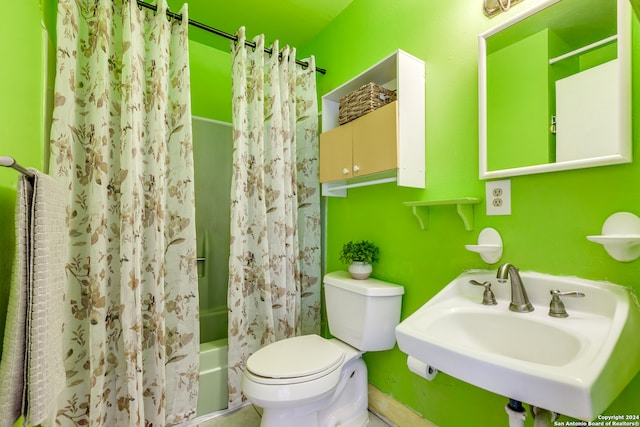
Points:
[388,142]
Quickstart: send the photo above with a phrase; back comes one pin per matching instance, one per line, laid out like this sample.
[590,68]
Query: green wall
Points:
[210,82]
[551,213]
[22,86]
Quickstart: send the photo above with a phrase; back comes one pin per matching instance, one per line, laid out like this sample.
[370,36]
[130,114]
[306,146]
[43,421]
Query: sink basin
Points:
[487,332]
[575,366]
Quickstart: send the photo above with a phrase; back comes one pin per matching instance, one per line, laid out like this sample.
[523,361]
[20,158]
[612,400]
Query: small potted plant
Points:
[359,255]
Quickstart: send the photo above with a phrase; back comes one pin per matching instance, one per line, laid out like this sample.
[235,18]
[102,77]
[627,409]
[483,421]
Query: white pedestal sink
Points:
[574,366]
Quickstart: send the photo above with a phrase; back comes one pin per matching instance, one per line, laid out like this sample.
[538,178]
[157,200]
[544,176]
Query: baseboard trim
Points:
[393,411]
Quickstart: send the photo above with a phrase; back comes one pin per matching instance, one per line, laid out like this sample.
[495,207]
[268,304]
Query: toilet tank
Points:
[362,313]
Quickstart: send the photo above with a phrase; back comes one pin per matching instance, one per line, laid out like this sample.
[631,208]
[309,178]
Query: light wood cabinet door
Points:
[375,141]
[336,154]
[366,145]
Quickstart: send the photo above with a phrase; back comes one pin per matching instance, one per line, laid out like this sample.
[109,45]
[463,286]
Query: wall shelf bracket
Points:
[464,207]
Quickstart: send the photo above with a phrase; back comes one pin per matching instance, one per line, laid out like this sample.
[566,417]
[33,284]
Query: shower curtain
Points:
[121,147]
[274,263]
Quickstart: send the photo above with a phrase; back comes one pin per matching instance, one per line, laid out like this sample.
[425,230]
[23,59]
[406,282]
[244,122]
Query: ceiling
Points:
[292,22]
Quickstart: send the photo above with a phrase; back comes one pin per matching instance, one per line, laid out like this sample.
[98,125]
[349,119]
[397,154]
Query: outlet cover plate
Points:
[498,197]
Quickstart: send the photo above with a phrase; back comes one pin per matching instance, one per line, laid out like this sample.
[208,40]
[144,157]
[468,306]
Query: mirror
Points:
[555,88]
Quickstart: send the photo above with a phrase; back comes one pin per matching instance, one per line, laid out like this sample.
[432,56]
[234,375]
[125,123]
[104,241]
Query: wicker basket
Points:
[363,100]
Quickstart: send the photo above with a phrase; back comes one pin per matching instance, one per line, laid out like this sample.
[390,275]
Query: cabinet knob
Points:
[355,168]
[345,171]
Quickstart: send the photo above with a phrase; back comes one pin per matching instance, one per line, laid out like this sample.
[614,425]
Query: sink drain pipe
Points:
[516,413]
[542,417]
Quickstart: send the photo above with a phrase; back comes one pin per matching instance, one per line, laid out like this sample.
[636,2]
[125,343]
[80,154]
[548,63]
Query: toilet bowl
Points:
[312,381]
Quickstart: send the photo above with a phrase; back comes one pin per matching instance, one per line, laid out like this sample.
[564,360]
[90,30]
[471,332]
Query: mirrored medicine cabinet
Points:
[555,88]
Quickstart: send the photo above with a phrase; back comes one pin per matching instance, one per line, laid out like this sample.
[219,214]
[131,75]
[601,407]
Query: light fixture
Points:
[494,7]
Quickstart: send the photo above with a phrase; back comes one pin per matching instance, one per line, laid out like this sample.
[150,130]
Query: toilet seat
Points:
[294,360]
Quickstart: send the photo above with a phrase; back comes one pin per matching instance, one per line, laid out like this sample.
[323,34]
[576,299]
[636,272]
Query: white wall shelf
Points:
[464,207]
[620,236]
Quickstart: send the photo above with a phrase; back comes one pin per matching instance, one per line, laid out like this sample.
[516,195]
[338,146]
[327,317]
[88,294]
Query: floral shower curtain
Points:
[121,147]
[274,264]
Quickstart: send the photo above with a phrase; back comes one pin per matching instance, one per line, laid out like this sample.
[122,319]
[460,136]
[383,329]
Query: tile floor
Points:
[249,416]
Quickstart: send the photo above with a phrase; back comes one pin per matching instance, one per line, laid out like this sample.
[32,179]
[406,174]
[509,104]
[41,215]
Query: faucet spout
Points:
[519,299]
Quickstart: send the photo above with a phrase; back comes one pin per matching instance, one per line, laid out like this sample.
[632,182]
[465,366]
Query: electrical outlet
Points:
[498,197]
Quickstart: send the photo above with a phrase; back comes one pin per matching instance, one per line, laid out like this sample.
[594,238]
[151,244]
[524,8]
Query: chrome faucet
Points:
[519,299]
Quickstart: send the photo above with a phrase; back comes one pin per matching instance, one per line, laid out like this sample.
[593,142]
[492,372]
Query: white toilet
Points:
[312,381]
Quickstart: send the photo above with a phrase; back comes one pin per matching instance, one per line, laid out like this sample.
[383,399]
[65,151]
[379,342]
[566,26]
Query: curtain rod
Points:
[221,33]
[11,163]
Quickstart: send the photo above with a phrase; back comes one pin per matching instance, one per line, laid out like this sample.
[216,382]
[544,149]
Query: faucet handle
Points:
[488,298]
[556,306]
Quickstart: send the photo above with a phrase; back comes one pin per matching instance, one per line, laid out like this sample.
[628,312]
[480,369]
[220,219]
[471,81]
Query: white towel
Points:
[33,335]
[13,363]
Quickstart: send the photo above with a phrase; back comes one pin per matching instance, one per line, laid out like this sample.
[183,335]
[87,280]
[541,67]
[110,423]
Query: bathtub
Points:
[213,324]
[213,394]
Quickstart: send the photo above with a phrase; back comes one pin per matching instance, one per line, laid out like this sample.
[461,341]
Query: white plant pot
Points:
[360,270]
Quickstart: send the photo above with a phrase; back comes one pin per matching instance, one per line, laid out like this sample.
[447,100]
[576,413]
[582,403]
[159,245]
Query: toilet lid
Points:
[295,357]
